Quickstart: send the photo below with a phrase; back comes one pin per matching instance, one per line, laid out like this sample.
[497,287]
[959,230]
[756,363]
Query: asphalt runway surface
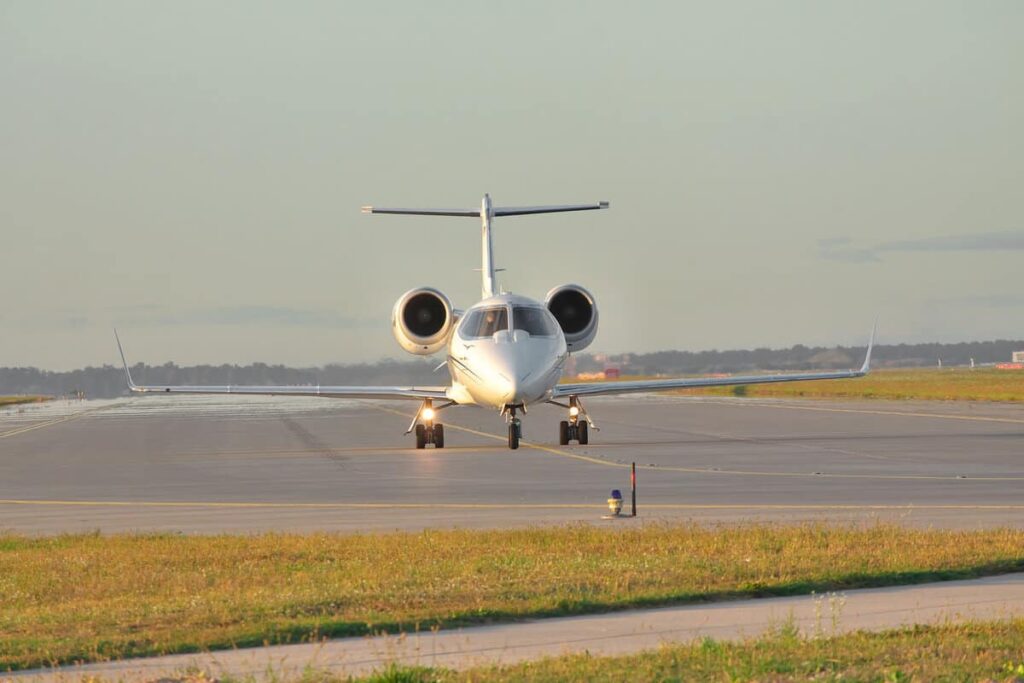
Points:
[227,464]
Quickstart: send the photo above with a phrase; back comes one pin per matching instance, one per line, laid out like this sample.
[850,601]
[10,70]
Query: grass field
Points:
[980,384]
[966,652]
[16,400]
[92,597]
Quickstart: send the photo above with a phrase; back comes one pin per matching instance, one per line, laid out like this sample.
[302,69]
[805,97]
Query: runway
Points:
[224,464]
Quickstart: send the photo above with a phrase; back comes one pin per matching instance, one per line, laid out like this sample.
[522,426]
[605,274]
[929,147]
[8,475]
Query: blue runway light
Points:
[615,502]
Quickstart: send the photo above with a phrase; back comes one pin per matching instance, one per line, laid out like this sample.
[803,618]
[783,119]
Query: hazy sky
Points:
[779,172]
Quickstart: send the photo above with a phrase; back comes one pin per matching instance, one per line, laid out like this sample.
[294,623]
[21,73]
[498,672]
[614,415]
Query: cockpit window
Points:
[484,322]
[537,321]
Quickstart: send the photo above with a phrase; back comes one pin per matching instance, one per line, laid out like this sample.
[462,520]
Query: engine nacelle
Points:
[576,312]
[422,321]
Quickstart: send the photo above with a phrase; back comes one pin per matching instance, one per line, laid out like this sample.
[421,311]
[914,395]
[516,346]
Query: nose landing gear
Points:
[575,429]
[515,426]
[427,431]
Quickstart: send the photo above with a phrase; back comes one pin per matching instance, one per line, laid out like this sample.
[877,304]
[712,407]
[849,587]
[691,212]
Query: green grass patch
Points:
[17,400]
[92,597]
[977,651]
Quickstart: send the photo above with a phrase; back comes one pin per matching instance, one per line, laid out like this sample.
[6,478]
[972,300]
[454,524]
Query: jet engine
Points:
[422,321]
[576,312]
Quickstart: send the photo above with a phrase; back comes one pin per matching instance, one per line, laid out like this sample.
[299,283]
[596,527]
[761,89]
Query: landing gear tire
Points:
[563,433]
[421,437]
[513,436]
[582,433]
[438,436]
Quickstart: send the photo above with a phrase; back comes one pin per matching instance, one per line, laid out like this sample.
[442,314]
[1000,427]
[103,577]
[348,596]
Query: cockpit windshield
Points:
[484,322]
[537,321]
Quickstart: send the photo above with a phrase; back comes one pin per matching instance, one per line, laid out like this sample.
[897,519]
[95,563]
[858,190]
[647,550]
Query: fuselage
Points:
[506,350]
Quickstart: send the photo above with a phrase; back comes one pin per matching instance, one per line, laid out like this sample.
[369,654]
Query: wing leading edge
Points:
[638,386]
[408,393]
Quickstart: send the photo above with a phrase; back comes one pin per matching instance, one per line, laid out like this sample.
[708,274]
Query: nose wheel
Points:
[515,426]
[515,432]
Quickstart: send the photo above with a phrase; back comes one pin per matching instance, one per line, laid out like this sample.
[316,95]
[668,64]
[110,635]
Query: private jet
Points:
[507,352]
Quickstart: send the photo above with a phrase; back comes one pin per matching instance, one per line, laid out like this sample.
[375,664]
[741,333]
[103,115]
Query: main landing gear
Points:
[427,431]
[575,428]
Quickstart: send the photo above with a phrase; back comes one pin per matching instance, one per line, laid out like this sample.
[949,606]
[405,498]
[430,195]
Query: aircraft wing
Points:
[410,393]
[645,385]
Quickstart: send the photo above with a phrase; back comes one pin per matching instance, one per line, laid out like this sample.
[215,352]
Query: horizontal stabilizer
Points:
[496,211]
[526,210]
[470,213]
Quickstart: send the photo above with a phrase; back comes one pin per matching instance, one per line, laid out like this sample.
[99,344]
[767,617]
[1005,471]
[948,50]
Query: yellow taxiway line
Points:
[56,421]
[40,425]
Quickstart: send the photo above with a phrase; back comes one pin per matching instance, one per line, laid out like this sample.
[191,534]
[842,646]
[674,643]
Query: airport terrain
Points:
[918,384]
[89,597]
[207,466]
[7,401]
[845,636]
[212,465]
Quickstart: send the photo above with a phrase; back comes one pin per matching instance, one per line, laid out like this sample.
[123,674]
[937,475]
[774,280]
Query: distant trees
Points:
[108,381]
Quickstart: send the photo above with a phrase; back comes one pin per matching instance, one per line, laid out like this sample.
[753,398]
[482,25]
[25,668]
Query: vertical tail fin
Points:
[489,285]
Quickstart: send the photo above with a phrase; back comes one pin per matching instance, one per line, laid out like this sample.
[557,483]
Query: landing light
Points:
[574,411]
[428,414]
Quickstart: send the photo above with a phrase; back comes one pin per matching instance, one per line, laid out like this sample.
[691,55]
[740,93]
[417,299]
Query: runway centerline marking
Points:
[490,506]
[696,470]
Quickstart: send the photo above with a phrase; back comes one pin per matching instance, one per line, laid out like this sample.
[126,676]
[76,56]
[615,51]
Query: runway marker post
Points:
[632,485]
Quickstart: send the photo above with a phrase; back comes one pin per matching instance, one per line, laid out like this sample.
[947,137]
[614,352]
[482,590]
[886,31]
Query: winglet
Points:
[866,368]
[127,372]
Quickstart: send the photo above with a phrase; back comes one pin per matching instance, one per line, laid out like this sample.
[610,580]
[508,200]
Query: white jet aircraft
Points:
[506,352]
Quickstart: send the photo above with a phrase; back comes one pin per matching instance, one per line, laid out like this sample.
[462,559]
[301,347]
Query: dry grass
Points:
[17,400]
[91,597]
[980,384]
[964,652]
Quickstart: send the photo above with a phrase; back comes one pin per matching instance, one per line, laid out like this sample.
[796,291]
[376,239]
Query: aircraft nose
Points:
[511,390]
[511,380]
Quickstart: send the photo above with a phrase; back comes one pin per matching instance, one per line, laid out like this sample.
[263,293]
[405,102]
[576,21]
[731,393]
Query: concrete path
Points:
[993,598]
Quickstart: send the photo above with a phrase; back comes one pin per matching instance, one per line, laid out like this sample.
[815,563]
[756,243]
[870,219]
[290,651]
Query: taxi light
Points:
[574,411]
[428,414]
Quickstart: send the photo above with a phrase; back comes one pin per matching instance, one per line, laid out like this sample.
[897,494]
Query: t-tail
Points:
[487,213]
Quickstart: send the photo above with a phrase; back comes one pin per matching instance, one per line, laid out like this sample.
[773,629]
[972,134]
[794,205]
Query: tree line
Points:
[108,381]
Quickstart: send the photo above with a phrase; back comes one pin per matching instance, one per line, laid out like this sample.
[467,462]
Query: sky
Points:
[779,173]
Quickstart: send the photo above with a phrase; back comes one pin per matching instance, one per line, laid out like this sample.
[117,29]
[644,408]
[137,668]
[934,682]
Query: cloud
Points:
[843,249]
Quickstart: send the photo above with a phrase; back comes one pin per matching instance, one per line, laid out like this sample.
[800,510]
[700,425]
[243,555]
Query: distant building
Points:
[1018,357]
